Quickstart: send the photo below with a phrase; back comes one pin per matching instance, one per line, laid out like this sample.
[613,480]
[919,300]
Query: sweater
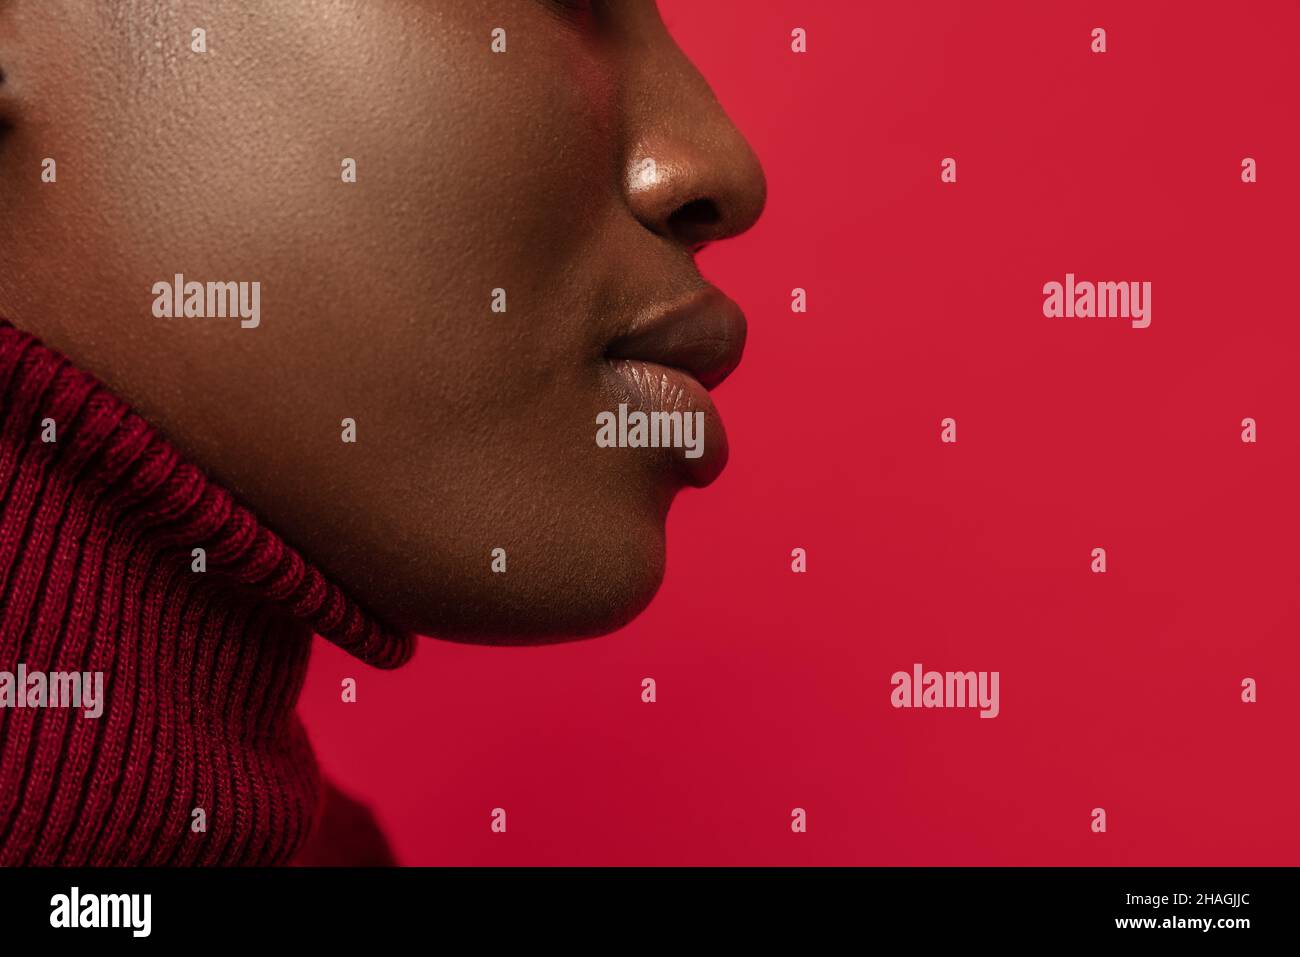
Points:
[197,755]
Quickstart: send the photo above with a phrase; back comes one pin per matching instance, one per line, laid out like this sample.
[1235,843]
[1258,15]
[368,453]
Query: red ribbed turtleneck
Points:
[201,669]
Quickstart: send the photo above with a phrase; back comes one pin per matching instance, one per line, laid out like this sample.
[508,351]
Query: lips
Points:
[703,337]
[668,361]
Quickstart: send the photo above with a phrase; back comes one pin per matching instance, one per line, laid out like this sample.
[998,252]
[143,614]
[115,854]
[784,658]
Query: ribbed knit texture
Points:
[201,670]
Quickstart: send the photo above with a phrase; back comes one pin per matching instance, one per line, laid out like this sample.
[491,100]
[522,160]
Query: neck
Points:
[118,558]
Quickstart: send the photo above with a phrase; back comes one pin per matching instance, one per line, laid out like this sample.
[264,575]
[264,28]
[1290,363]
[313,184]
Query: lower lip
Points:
[650,387]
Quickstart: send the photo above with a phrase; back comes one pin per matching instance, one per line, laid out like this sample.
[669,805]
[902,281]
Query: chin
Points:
[585,590]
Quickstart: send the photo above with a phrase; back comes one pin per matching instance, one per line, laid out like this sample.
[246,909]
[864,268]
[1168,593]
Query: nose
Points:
[691,176]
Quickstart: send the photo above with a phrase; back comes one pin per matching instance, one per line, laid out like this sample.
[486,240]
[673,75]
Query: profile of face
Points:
[473,225]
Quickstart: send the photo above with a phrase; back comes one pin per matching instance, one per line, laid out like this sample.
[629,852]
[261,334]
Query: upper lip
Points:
[703,335]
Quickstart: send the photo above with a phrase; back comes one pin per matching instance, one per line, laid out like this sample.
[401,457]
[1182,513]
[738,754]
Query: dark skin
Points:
[475,171]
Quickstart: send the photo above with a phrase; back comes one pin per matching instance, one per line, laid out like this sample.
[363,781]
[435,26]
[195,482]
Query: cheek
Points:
[479,193]
[378,296]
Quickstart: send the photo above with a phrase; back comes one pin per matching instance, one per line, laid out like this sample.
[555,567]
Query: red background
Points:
[1119,690]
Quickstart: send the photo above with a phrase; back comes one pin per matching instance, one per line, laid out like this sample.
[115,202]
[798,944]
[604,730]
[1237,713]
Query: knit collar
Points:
[198,756]
[116,454]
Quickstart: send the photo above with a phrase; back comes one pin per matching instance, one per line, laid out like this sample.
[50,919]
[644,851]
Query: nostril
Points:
[695,221]
[6,119]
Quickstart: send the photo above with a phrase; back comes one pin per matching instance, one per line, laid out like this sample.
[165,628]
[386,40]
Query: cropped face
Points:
[463,235]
